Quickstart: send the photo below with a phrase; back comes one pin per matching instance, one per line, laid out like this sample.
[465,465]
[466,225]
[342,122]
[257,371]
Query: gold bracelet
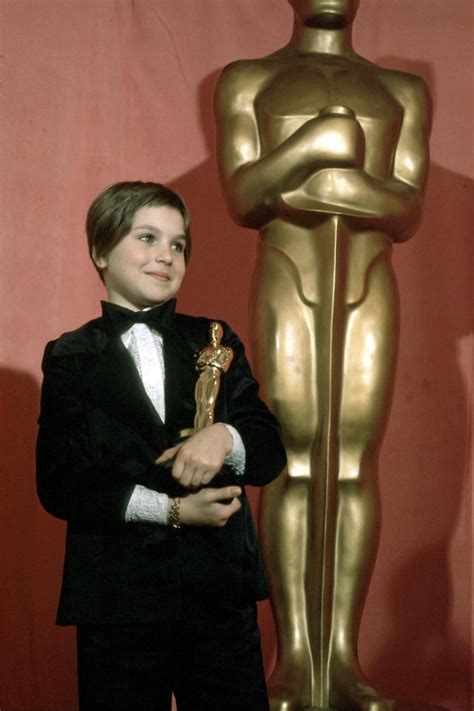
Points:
[173,516]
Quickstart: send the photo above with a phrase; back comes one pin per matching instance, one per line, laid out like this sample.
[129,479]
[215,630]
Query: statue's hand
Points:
[332,140]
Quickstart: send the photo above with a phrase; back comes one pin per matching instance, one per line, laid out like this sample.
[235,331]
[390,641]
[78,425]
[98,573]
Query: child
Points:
[162,567]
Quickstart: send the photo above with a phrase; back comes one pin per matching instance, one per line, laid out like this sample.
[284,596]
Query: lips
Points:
[159,276]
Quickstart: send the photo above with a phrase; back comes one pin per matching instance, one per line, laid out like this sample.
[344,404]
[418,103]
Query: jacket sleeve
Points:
[258,427]
[72,484]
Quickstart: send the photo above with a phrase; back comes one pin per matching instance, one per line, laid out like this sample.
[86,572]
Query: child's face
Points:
[147,266]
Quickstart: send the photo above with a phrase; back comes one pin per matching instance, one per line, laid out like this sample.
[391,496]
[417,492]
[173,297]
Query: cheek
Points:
[180,267]
[134,259]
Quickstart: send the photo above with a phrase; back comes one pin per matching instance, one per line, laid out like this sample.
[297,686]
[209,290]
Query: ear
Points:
[100,262]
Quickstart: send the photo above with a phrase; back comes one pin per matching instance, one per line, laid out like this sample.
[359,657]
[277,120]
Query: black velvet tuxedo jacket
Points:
[99,436]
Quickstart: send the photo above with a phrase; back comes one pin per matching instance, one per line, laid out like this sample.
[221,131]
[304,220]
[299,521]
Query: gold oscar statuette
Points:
[211,363]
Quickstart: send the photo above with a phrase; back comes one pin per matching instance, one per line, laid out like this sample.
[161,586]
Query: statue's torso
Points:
[297,89]
[293,91]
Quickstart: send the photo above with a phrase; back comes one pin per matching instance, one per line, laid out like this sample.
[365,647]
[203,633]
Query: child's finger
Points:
[226,493]
[167,455]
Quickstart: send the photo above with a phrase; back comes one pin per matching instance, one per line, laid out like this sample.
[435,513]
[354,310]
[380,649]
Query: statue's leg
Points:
[370,346]
[284,348]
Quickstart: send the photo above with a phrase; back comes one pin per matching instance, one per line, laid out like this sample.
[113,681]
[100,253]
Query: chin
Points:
[327,14]
[155,299]
[327,20]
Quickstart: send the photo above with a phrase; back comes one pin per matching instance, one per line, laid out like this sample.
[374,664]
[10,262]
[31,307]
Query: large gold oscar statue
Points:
[326,155]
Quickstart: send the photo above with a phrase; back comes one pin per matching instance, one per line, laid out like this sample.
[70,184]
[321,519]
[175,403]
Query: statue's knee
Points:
[300,449]
[355,459]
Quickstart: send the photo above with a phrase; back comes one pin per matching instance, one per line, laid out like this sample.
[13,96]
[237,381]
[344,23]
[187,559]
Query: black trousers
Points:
[212,666]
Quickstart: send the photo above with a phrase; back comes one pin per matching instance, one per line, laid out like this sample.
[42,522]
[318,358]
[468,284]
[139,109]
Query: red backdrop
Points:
[105,90]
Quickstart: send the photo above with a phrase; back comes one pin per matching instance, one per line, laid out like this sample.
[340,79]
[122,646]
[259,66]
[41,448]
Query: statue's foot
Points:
[351,691]
[286,689]
[280,703]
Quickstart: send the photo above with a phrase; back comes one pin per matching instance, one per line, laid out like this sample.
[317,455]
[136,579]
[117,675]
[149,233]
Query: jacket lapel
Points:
[119,391]
[180,382]
[117,388]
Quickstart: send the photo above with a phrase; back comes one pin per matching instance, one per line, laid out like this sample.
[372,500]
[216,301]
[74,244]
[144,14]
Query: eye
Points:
[146,237]
[179,246]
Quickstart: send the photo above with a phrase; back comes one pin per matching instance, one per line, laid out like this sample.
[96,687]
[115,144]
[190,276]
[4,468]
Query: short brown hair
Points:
[111,214]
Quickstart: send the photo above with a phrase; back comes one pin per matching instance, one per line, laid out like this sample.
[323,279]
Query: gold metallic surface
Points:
[212,361]
[326,155]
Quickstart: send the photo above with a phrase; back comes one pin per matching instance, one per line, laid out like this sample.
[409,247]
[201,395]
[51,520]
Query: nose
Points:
[163,253]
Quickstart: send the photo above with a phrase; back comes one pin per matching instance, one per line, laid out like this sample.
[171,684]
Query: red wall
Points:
[102,90]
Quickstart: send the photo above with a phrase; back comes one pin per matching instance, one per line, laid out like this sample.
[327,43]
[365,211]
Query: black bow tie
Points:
[120,319]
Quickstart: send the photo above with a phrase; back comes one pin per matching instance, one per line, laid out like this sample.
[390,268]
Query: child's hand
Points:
[199,458]
[206,507]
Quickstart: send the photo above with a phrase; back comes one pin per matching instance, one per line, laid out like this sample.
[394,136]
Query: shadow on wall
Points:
[422,657]
[210,287]
[31,546]
[429,429]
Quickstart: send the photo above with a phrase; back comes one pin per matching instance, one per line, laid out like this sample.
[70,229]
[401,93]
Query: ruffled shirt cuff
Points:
[147,506]
[236,458]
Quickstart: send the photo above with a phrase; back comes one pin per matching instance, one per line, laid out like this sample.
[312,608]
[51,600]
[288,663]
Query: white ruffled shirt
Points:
[145,346]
